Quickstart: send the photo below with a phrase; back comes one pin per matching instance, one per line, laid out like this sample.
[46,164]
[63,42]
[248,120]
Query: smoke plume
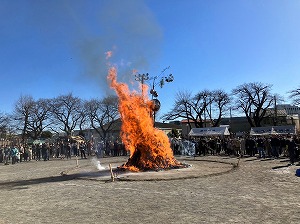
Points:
[89,29]
[128,28]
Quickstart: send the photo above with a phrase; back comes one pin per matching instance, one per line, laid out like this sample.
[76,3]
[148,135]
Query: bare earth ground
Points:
[210,191]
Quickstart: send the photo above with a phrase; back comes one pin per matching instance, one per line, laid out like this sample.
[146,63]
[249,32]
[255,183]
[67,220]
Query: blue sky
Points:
[49,48]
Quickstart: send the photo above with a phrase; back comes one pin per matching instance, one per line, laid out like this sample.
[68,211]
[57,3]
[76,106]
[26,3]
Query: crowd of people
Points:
[60,150]
[43,151]
[260,146]
[110,148]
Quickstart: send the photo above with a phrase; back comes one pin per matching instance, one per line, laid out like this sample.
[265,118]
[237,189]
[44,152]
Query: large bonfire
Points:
[149,147]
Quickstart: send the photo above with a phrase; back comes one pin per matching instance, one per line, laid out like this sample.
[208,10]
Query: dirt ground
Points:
[212,190]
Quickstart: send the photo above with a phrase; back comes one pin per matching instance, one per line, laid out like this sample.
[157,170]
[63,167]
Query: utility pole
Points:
[142,78]
[275,111]
[156,80]
[204,107]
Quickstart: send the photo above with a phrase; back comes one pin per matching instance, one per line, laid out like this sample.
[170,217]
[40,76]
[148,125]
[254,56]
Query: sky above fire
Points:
[51,48]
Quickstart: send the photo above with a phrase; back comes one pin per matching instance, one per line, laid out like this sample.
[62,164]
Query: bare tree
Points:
[197,109]
[66,112]
[102,114]
[4,120]
[21,114]
[202,103]
[4,125]
[218,106]
[83,122]
[183,108]
[295,95]
[39,118]
[253,99]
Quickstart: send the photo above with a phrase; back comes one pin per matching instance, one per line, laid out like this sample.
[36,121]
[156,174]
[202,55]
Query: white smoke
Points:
[91,28]
[97,164]
[129,29]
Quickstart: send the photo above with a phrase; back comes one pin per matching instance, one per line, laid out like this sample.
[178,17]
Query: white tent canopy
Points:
[273,130]
[211,131]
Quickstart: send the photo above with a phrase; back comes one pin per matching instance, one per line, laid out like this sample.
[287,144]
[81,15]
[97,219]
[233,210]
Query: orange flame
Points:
[149,147]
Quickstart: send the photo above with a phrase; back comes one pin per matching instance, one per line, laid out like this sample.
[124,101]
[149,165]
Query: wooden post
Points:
[238,162]
[111,173]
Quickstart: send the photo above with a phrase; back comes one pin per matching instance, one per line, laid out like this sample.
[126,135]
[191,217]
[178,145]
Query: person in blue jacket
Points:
[14,154]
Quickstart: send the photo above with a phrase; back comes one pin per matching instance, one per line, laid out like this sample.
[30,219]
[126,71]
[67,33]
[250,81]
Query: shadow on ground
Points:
[24,184]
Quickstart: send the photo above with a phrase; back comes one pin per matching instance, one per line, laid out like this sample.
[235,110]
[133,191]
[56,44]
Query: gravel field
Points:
[257,191]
